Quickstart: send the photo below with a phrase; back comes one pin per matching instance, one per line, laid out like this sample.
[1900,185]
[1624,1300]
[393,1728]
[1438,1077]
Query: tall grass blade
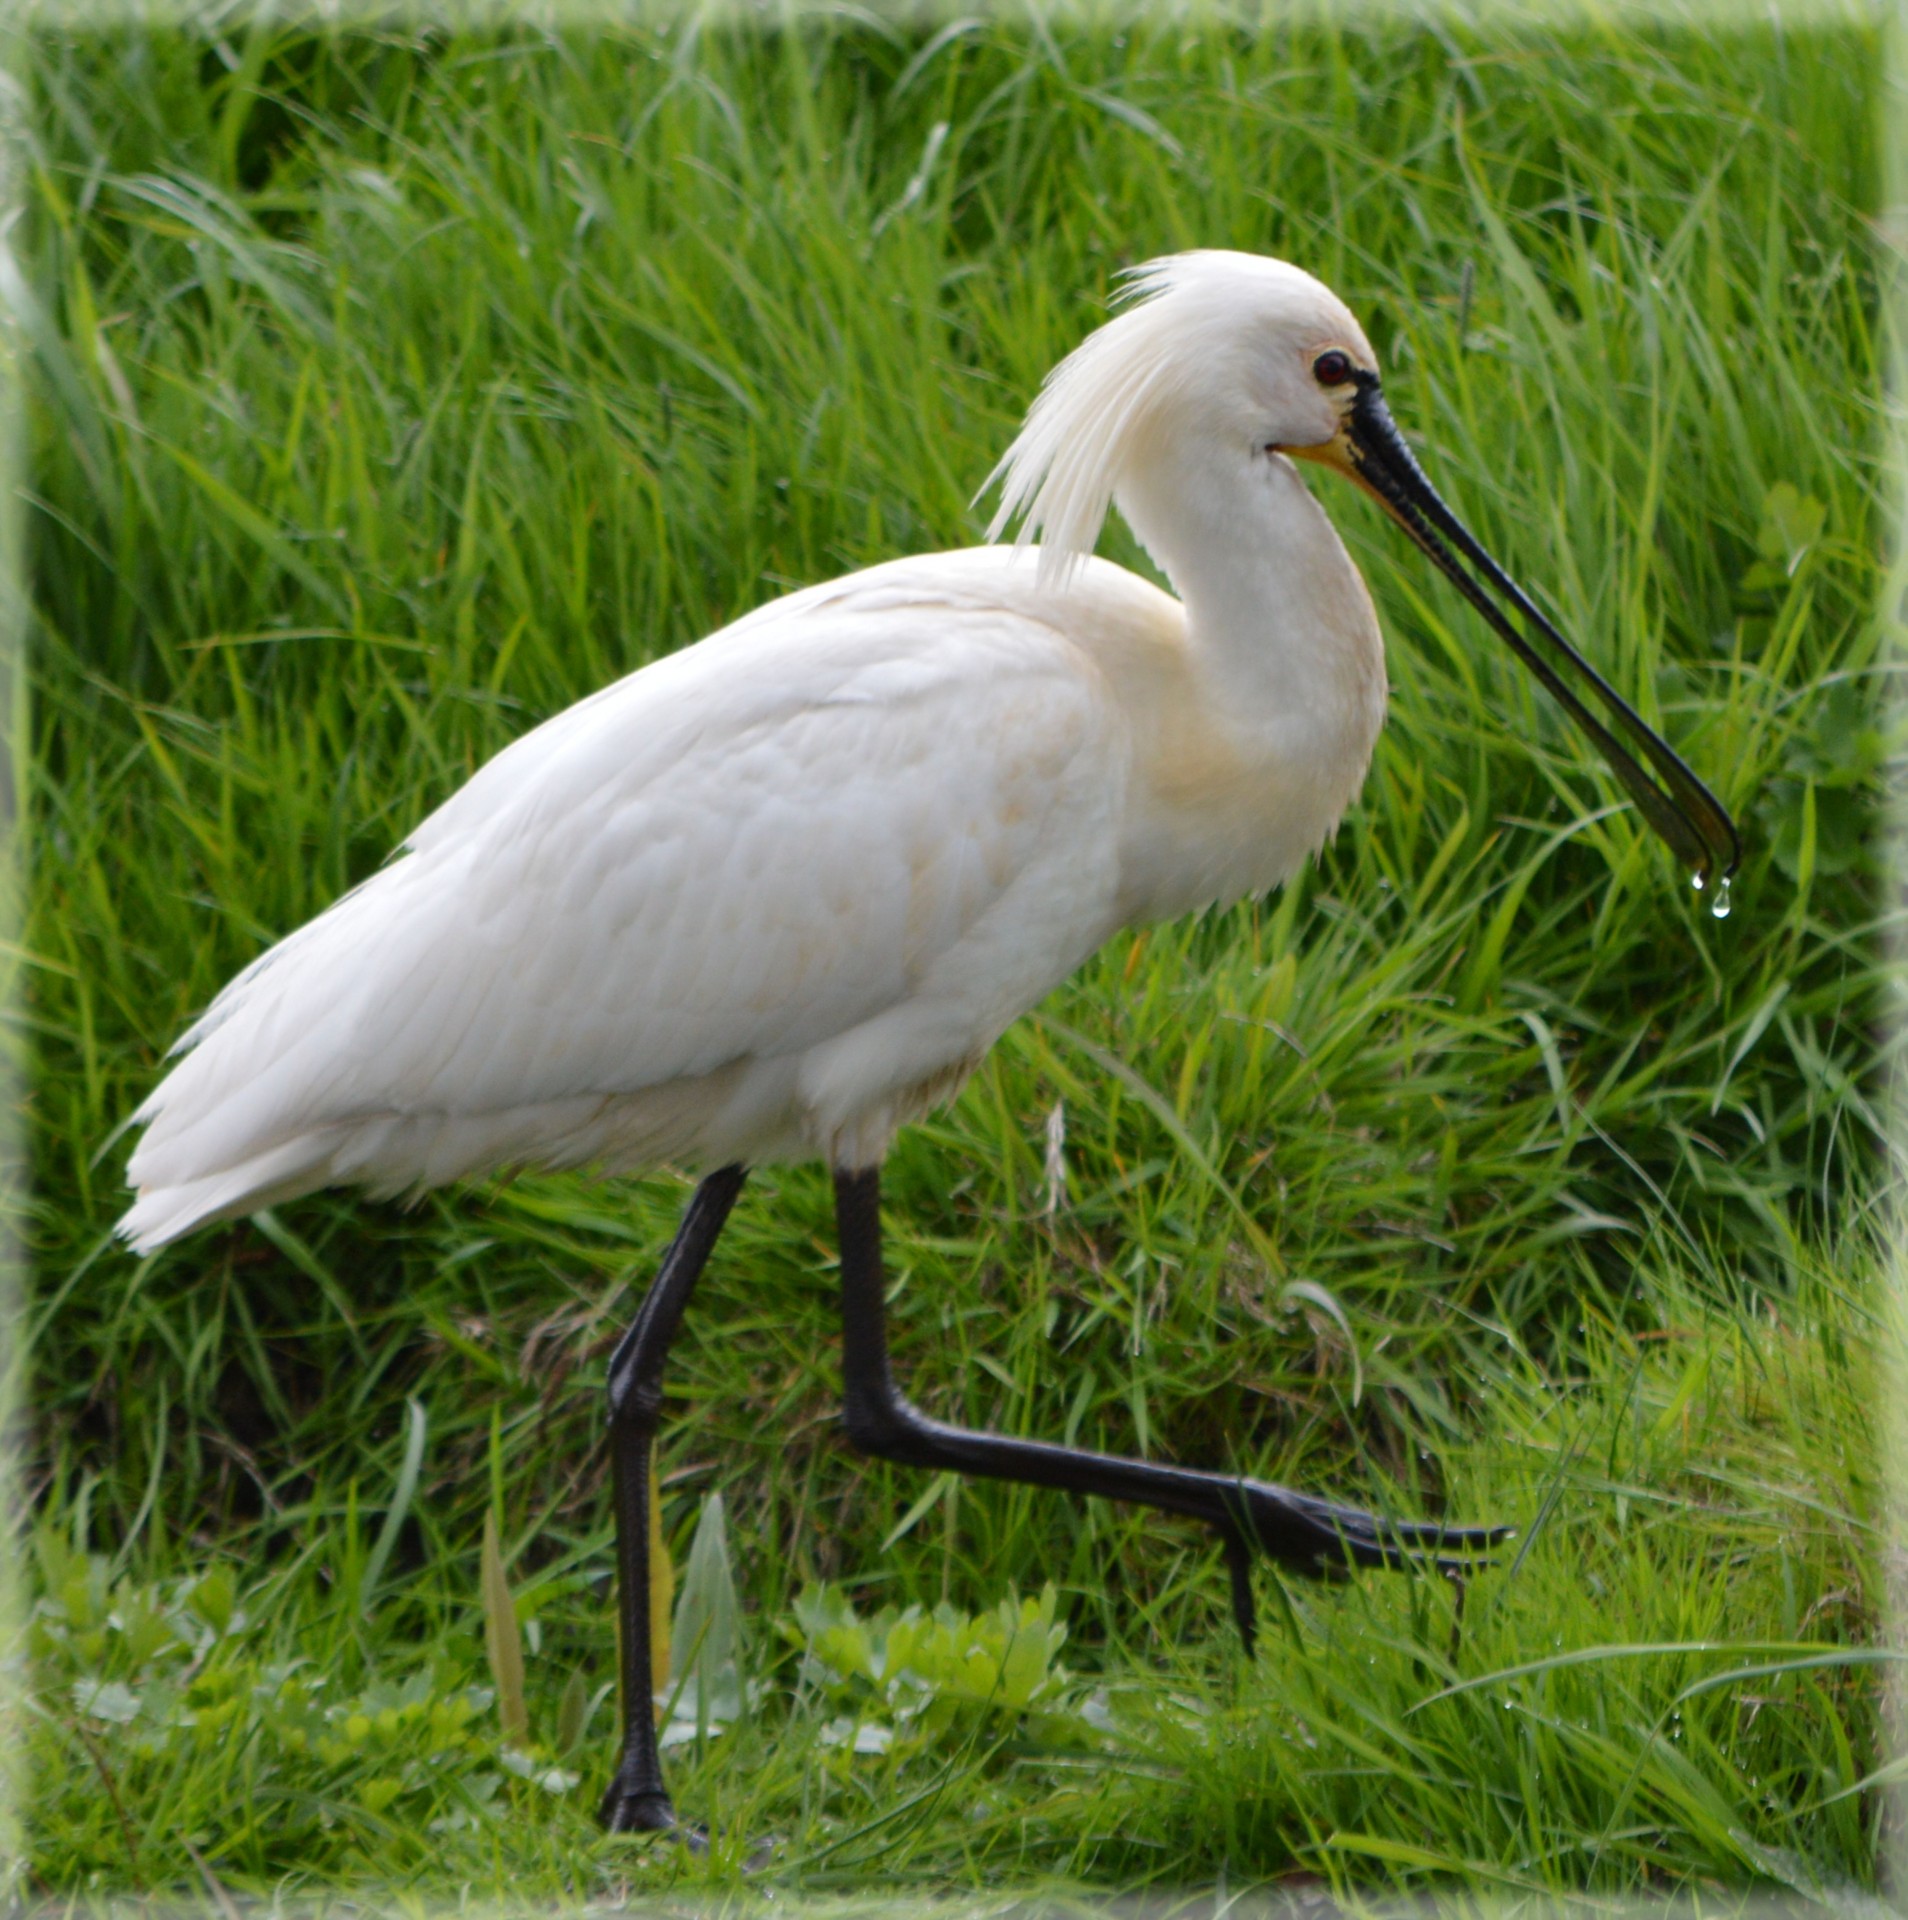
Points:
[503,1637]
[417,1426]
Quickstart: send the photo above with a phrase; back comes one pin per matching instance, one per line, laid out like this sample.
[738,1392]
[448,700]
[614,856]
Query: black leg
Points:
[1311,1536]
[637,1800]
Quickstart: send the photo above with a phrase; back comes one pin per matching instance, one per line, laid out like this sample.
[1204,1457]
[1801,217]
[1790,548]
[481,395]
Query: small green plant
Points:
[905,1680]
[158,1682]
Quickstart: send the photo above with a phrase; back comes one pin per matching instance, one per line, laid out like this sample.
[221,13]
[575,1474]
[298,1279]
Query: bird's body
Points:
[773,895]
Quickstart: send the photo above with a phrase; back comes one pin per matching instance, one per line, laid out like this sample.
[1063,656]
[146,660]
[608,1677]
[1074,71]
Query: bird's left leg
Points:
[1306,1534]
[637,1800]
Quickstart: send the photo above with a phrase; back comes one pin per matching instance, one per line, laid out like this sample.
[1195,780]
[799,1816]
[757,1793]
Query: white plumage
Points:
[775,894]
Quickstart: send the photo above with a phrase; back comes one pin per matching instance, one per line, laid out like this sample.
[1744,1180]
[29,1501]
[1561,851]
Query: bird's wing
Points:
[742,851]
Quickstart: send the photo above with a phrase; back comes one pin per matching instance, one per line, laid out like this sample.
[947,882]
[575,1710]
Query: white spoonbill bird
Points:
[772,897]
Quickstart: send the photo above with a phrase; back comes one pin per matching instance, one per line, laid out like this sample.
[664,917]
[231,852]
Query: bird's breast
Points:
[1230,799]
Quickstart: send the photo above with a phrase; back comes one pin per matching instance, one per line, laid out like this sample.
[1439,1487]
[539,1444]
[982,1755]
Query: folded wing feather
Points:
[851,802]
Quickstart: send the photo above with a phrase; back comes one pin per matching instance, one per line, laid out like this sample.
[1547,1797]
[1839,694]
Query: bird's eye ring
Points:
[1332,369]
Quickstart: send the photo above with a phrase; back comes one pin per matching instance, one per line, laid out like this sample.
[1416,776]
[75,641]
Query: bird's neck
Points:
[1277,616]
[1287,667]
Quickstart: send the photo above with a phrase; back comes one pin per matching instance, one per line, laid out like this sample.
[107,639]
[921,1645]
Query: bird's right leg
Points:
[637,1800]
[1306,1534]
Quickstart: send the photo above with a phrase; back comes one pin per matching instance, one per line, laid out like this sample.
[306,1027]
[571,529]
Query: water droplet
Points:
[1720,905]
[1699,879]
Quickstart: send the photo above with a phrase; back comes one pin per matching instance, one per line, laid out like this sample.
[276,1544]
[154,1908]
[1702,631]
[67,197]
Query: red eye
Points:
[1332,369]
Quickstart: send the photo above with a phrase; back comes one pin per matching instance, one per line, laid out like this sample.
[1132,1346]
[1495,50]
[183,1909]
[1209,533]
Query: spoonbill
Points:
[774,896]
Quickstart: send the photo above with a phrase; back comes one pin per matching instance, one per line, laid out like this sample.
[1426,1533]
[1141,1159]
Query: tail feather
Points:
[163,1213]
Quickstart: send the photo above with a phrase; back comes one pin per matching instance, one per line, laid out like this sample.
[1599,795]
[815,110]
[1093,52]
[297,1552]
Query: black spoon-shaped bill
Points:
[1681,809]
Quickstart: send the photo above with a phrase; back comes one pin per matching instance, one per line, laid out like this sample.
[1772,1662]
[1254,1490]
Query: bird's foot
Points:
[1321,1537]
[630,1808]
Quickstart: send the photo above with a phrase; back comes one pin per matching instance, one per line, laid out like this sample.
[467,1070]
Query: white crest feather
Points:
[1058,476]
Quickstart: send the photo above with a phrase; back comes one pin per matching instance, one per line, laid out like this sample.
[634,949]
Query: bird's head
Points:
[1247,358]
[1215,351]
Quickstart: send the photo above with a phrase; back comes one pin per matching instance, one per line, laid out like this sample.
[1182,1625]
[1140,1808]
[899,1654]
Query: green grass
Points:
[387,392]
